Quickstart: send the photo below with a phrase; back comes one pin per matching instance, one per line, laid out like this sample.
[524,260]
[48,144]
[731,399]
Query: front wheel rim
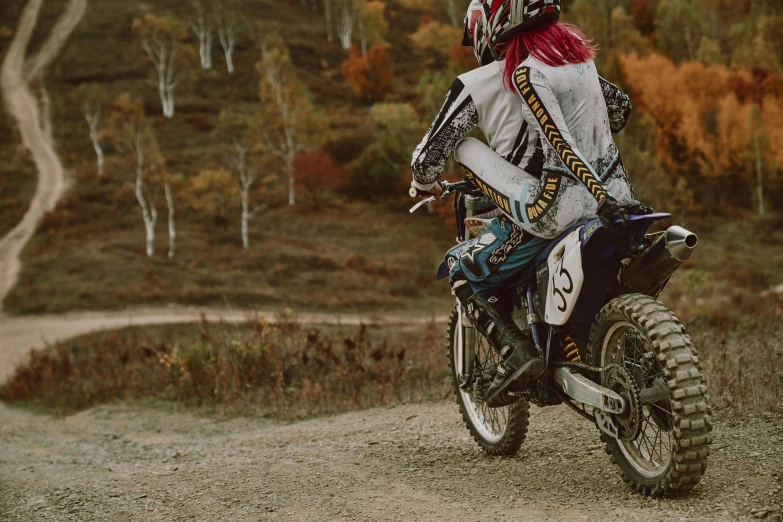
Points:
[490,423]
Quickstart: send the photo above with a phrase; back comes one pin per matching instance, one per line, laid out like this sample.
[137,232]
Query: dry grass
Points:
[289,370]
[744,369]
[286,369]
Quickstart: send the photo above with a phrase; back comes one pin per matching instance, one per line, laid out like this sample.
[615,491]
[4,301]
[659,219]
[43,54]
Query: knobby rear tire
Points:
[518,412]
[691,413]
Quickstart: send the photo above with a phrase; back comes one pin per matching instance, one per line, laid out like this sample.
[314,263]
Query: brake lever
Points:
[421,203]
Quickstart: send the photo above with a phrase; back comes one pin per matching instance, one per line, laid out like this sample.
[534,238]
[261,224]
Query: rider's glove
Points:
[609,210]
[419,190]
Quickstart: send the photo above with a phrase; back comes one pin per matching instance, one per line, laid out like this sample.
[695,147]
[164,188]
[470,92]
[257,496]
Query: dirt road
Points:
[412,462]
[34,127]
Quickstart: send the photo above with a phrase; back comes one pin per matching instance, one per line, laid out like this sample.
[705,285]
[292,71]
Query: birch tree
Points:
[345,30]
[132,136]
[160,39]
[170,205]
[247,175]
[92,99]
[247,160]
[227,21]
[288,124]
[201,24]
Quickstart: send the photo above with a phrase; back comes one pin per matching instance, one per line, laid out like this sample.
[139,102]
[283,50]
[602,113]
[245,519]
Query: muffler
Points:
[649,273]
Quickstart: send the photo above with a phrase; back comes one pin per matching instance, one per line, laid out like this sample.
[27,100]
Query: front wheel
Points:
[664,448]
[498,431]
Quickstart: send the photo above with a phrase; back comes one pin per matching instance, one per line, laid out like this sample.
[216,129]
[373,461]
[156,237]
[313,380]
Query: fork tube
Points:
[460,343]
[531,310]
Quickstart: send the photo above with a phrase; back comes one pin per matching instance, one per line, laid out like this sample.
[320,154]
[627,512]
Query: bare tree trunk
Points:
[170,205]
[346,26]
[362,34]
[227,36]
[247,176]
[148,211]
[163,56]
[202,28]
[291,181]
[93,120]
[245,219]
[329,24]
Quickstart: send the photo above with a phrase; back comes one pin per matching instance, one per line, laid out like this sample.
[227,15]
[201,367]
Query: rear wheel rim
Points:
[650,453]
[490,423]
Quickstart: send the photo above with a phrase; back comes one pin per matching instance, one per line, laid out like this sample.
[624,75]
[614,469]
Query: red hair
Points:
[553,44]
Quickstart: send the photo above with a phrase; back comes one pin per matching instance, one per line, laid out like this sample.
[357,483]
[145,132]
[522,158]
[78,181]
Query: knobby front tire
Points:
[497,431]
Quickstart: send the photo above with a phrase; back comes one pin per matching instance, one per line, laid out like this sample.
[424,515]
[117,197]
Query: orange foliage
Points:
[437,38]
[710,121]
[463,56]
[368,75]
[687,104]
[316,172]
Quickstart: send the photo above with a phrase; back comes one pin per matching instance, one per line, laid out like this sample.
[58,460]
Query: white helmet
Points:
[475,31]
[507,17]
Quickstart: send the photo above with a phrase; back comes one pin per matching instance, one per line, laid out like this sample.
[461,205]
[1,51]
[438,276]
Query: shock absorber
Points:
[570,349]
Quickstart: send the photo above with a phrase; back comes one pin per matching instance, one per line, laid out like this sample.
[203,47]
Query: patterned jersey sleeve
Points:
[618,105]
[543,110]
[454,121]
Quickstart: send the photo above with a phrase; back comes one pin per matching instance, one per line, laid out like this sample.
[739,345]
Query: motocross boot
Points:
[520,364]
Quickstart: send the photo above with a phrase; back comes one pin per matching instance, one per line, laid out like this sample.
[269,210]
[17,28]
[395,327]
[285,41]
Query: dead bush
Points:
[284,369]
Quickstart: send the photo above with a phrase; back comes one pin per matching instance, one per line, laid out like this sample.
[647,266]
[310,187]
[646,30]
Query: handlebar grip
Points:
[414,193]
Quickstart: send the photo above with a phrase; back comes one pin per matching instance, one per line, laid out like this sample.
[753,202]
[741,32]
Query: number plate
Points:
[566,278]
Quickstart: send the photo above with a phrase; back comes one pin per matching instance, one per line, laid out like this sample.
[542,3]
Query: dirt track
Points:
[407,463]
[413,462]
[35,130]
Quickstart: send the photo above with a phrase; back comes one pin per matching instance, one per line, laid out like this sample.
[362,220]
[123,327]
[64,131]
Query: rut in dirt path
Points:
[32,117]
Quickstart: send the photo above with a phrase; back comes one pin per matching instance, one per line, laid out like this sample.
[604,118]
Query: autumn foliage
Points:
[368,74]
[716,127]
[316,172]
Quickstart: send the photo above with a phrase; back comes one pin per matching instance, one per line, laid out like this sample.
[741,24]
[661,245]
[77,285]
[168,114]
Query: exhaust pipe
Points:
[649,273]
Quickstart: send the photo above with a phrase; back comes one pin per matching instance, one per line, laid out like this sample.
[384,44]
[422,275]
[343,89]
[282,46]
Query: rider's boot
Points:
[521,365]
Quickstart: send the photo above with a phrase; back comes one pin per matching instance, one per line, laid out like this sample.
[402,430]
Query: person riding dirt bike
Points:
[551,162]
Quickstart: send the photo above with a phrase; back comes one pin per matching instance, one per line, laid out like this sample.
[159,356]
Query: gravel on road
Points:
[412,462]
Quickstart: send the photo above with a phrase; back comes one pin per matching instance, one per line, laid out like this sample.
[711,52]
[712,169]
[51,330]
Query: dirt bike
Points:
[614,354]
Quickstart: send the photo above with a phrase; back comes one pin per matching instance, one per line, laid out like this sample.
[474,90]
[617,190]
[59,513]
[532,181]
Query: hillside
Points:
[89,252]
[361,250]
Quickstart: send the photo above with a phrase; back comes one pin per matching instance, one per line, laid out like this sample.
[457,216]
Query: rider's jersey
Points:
[558,119]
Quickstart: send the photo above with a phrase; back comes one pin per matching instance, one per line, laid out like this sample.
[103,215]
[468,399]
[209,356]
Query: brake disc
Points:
[629,423]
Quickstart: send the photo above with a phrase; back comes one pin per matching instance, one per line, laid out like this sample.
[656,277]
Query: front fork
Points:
[466,334]
[466,337]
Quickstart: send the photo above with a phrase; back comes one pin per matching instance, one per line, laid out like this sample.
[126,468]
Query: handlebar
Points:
[463,187]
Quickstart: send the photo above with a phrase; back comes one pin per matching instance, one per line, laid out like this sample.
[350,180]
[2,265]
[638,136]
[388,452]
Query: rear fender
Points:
[602,253]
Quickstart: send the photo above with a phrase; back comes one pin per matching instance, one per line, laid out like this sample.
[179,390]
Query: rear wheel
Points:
[666,454]
[498,431]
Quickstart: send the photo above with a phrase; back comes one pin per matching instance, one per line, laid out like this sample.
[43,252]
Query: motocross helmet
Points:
[507,17]
[475,31]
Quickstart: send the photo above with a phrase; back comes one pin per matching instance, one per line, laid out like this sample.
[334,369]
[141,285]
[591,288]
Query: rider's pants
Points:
[535,211]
